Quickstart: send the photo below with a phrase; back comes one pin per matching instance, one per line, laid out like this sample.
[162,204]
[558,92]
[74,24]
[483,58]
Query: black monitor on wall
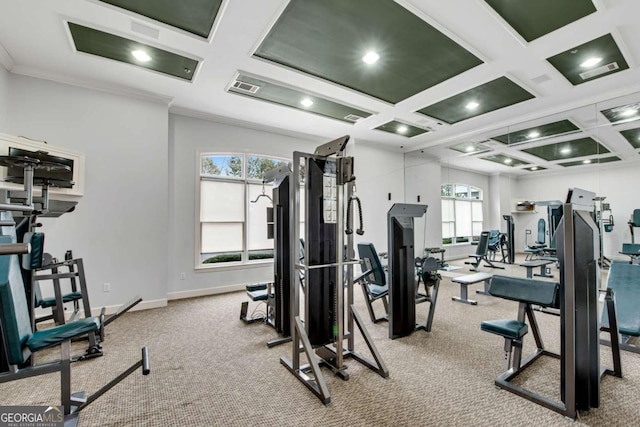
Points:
[54,177]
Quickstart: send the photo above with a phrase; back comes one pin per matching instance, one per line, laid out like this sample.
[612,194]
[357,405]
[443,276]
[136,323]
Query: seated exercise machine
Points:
[509,244]
[481,254]
[43,170]
[634,222]
[276,295]
[576,297]
[632,250]
[20,341]
[373,280]
[329,318]
[537,249]
[624,281]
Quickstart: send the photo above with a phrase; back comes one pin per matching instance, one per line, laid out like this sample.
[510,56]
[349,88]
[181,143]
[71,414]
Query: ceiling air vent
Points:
[600,70]
[353,118]
[245,87]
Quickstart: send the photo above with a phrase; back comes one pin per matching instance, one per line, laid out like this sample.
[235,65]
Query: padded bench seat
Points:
[471,279]
[51,302]
[624,280]
[259,295]
[542,263]
[507,328]
[52,336]
[377,290]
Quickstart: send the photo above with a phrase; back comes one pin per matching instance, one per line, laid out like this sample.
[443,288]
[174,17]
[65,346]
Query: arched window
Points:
[461,213]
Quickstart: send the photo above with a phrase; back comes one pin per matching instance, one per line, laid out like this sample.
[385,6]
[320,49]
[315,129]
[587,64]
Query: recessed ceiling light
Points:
[472,105]
[508,161]
[590,62]
[534,168]
[402,129]
[629,112]
[141,55]
[533,134]
[371,57]
[586,162]
[470,148]
[306,103]
[566,150]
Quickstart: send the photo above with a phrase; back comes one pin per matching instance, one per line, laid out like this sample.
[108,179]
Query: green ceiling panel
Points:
[328,39]
[470,148]
[535,18]
[633,136]
[537,132]
[568,63]
[535,168]
[194,16]
[567,150]
[505,160]
[118,48]
[397,128]
[282,95]
[593,162]
[490,96]
[626,112]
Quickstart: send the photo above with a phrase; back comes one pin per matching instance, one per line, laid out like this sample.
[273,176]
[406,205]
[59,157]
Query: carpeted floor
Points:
[209,368]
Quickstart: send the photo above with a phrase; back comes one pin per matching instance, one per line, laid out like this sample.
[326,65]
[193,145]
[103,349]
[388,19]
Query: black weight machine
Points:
[403,266]
[507,241]
[276,295]
[328,180]
[576,296]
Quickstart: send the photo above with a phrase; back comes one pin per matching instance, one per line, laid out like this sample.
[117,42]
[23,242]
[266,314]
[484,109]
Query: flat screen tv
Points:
[62,178]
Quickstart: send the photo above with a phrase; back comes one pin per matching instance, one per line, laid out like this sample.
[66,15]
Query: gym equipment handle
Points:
[15,248]
[145,361]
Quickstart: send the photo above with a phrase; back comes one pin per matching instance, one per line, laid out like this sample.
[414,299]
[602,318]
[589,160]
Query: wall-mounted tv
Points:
[55,177]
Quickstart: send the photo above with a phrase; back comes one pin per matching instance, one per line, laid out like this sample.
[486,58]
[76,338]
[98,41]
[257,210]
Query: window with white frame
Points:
[461,213]
[233,211]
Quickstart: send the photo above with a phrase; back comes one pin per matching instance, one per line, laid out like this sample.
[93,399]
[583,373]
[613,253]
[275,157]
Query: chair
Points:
[372,280]
[481,253]
[494,243]
[20,341]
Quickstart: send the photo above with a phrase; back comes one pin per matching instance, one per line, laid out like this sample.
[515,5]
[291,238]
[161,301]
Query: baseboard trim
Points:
[204,292]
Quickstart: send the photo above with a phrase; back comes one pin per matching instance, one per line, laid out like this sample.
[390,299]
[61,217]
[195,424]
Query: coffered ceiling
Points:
[514,86]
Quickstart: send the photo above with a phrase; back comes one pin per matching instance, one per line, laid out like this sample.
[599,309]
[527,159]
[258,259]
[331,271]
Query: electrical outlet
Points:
[106,287]
[183,275]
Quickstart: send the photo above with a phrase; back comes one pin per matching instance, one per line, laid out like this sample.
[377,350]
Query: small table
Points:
[470,279]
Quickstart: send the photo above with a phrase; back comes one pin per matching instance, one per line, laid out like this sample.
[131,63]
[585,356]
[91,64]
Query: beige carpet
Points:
[209,368]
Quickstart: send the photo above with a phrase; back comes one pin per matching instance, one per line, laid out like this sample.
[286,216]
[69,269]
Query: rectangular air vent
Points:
[600,70]
[245,87]
[353,117]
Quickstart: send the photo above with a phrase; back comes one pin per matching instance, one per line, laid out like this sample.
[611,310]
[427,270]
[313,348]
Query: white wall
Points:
[378,173]
[423,178]
[4,98]
[617,184]
[120,226]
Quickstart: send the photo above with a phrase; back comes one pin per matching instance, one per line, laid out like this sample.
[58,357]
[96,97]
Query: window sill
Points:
[207,268]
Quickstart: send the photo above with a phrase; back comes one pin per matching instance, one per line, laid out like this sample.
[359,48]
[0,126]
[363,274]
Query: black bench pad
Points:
[52,336]
[505,327]
[261,295]
[525,290]
[624,279]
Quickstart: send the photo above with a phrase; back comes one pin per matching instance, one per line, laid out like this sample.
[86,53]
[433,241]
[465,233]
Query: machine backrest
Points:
[542,225]
[369,261]
[483,244]
[631,248]
[494,238]
[33,259]
[525,290]
[16,326]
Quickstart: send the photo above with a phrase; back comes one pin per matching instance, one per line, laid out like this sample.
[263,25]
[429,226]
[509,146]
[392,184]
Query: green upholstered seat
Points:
[529,291]
[505,327]
[378,291]
[52,336]
[51,302]
[624,279]
[259,295]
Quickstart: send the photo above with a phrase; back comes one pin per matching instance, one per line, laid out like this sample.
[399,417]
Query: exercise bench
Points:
[260,292]
[624,281]
[21,341]
[542,263]
[471,279]
[482,253]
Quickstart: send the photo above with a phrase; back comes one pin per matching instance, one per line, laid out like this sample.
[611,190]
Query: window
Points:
[461,213]
[233,210]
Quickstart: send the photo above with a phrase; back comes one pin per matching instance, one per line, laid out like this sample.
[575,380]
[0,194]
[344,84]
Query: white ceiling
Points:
[34,41]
